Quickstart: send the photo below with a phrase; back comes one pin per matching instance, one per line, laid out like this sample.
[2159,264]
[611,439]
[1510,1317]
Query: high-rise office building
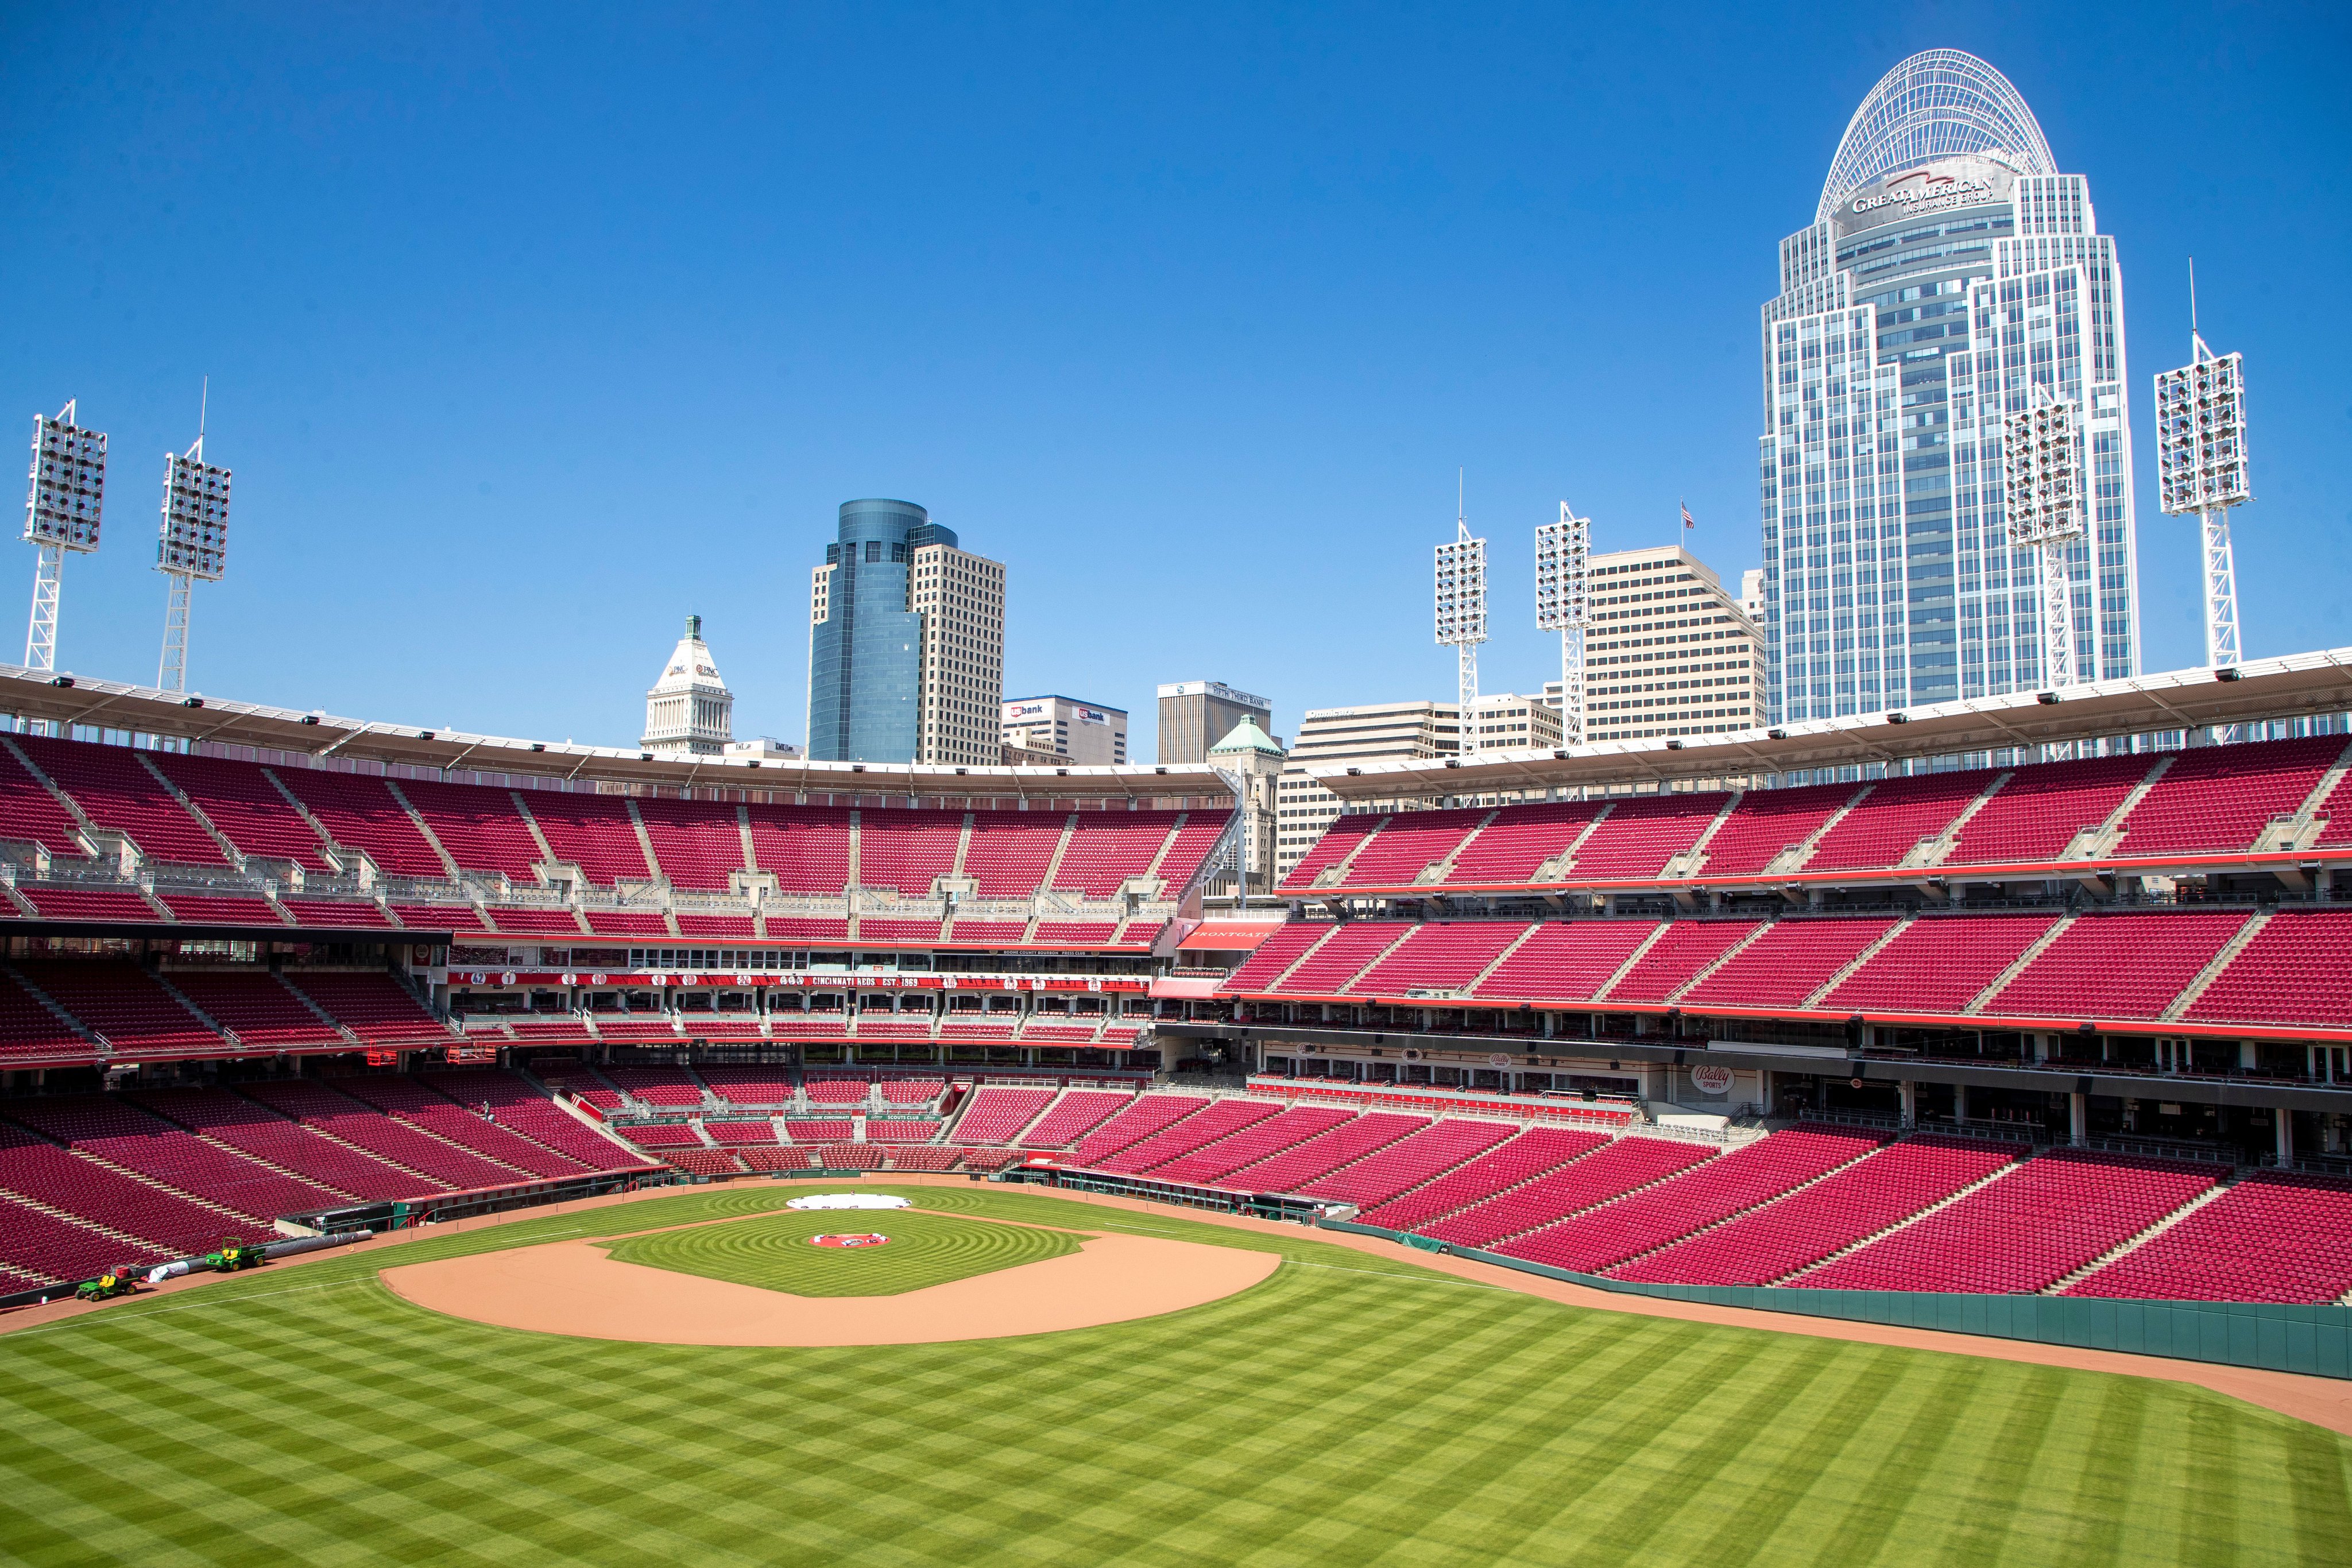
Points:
[689,711]
[906,642]
[1668,650]
[1196,715]
[1071,731]
[1948,270]
[1333,737]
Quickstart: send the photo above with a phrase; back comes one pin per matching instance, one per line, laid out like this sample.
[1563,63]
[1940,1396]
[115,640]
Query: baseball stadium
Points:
[1857,1142]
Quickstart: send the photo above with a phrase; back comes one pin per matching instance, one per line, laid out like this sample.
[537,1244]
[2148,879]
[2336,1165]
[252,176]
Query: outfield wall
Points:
[2274,1336]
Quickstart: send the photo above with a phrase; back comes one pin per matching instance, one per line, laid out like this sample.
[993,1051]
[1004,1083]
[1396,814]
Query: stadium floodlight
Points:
[62,513]
[2201,465]
[1462,614]
[2041,464]
[192,544]
[1563,602]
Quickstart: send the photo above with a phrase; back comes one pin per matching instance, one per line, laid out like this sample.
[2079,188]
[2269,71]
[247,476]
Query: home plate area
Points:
[801,1277]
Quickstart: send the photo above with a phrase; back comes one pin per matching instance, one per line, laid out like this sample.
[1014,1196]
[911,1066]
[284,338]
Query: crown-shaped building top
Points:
[689,711]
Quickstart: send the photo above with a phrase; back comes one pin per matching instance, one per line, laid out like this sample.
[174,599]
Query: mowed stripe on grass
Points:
[775,1252]
[1354,1413]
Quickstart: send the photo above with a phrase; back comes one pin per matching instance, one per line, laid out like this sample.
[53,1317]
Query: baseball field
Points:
[1350,1408]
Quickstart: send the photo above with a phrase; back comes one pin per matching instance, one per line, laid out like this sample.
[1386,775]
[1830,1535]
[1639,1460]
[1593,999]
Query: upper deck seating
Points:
[673,1087]
[1076,933]
[1107,847]
[715,927]
[966,932]
[914,933]
[2276,1236]
[908,849]
[1641,834]
[2297,970]
[593,833]
[124,1003]
[1011,850]
[820,1131]
[624,923]
[1416,1157]
[2025,1232]
[1352,946]
[534,920]
[257,1130]
[1769,821]
[29,1030]
[1568,960]
[1892,821]
[748,1085]
[2033,817]
[30,814]
[257,1007]
[115,790]
[806,846]
[1316,1157]
[1276,953]
[1269,1135]
[1215,1120]
[1408,843]
[1077,1112]
[1774,1241]
[800,928]
[240,800]
[1939,964]
[1510,849]
[124,1134]
[2218,800]
[452,918]
[1439,957]
[359,810]
[1528,1155]
[336,911]
[1189,848]
[1610,1171]
[203,909]
[70,903]
[2118,965]
[1681,951]
[1730,1184]
[1788,962]
[1338,841]
[479,826]
[906,1092]
[698,842]
[836,1089]
[759,1133]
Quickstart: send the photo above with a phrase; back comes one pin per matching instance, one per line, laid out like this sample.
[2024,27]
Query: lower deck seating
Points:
[45,1249]
[997,1113]
[1410,1161]
[1218,1119]
[823,1131]
[1314,1158]
[338,1116]
[759,1133]
[1618,1168]
[35,1169]
[515,1104]
[748,1085]
[2277,1236]
[1522,1158]
[464,1125]
[1076,1114]
[257,1130]
[1144,1116]
[777,1159]
[1771,1243]
[2025,1231]
[1269,1135]
[125,1135]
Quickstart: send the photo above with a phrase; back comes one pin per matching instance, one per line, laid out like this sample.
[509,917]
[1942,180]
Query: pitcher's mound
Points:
[577,1288]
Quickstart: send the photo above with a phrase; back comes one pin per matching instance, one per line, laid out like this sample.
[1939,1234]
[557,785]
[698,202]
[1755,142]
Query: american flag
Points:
[1688,521]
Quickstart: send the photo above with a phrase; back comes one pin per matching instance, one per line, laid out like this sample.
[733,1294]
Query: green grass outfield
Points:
[774,1252]
[1353,1408]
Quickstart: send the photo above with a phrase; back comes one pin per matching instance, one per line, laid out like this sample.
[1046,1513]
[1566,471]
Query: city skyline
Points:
[1506,292]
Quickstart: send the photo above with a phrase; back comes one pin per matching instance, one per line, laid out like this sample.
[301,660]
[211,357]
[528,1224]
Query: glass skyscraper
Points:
[1949,269]
[906,642]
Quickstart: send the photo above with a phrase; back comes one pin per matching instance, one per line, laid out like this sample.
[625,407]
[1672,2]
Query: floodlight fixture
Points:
[1462,612]
[192,546]
[62,508]
[2042,462]
[1563,604]
[2201,466]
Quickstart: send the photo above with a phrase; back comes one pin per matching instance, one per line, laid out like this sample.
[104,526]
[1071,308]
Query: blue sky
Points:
[532,329]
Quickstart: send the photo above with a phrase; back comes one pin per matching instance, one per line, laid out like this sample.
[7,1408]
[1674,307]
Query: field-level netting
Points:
[774,1251]
[1352,1409]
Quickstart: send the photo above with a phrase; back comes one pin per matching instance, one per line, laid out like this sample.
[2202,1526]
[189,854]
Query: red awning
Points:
[1187,988]
[1229,935]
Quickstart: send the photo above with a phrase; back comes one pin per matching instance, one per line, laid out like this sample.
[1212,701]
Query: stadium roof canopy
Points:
[146,710]
[2297,685]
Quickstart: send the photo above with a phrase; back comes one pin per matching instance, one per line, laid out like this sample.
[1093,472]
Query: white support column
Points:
[2057,618]
[2078,1119]
[2282,1124]
[2221,590]
[172,669]
[1910,1093]
[41,634]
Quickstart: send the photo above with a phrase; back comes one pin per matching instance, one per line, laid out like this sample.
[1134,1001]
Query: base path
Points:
[576,1288]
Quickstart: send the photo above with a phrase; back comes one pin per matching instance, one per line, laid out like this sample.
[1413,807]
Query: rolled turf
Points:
[1351,1410]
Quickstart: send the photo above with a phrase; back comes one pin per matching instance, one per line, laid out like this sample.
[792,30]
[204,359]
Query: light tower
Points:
[2043,468]
[2200,466]
[192,544]
[1562,600]
[1462,612]
[61,514]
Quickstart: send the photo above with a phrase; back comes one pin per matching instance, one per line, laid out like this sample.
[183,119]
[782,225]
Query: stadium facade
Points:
[906,642]
[1950,269]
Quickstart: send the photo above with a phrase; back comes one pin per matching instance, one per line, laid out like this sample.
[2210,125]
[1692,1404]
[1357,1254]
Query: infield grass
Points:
[775,1253]
[1353,1408]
